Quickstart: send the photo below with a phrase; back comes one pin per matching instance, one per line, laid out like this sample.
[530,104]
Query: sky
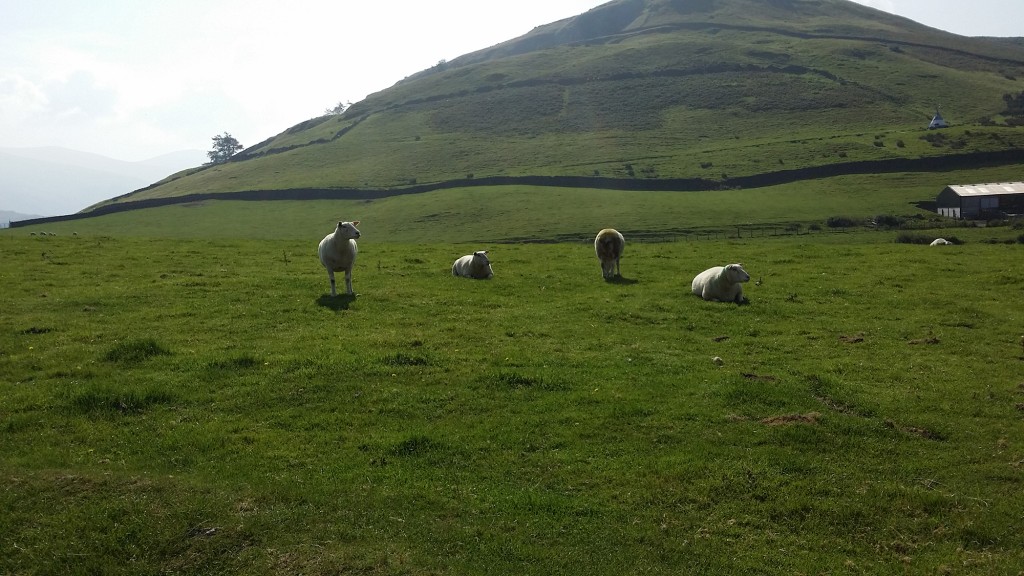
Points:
[136,79]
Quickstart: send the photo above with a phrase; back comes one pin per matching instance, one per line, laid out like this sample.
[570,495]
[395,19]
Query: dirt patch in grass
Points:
[852,339]
[787,419]
[925,433]
[929,340]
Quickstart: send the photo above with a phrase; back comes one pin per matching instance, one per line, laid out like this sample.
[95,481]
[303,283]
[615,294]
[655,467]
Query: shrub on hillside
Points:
[911,238]
[842,222]
[907,238]
[888,221]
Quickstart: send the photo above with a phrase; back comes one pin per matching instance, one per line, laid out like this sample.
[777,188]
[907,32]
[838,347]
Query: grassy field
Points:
[197,405]
[515,213]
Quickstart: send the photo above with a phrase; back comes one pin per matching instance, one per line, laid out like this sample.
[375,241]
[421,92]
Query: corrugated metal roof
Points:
[997,189]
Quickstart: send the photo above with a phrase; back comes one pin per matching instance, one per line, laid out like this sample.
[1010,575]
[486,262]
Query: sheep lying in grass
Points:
[721,283]
[609,245]
[475,265]
[940,242]
[338,252]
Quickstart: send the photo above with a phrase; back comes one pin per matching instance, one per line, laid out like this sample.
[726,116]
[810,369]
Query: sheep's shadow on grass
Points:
[336,303]
[621,280]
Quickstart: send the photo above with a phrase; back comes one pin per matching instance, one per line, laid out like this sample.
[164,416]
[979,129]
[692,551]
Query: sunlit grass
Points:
[211,409]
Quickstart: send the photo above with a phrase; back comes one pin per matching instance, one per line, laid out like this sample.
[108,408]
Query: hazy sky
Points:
[134,79]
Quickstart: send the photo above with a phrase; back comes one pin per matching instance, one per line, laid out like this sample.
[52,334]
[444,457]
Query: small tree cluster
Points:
[224,147]
[842,222]
[1014,104]
[338,109]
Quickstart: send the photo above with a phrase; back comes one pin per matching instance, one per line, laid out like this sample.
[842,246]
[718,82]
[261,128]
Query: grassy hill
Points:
[652,90]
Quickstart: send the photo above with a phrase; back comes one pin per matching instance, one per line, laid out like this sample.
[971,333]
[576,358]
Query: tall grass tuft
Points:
[239,363]
[418,445]
[134,351]
[111,402]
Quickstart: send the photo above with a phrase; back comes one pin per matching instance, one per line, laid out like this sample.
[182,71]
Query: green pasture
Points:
[200,405]
[532,213]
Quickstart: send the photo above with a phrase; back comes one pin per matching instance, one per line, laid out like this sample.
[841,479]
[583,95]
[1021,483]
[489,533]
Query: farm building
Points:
[980,200]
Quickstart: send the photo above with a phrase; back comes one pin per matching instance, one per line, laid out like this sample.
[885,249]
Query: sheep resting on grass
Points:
[721,283]
[609,245]
[475,265]
[338,252]
[940,242]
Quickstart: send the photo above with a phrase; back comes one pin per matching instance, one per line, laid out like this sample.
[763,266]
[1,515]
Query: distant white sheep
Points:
[609,245]
[475,265]
[940,242]
[338,252]
[721,283]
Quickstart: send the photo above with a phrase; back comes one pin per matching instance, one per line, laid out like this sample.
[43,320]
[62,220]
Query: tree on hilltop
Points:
[224,147]
[339,109]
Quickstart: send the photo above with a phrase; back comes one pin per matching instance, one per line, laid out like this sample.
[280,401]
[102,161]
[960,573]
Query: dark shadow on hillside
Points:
[621,280]
[336,303]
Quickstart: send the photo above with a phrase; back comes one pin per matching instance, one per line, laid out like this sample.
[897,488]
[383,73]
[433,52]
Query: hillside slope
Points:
[653,90]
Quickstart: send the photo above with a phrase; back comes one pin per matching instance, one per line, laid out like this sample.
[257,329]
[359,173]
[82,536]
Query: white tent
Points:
[937,122]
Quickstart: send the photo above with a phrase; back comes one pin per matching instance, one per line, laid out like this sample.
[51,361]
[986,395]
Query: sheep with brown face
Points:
[721,283]
[338,252]
[609,245]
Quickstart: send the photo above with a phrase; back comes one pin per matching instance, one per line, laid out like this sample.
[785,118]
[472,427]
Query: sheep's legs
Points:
[348,282]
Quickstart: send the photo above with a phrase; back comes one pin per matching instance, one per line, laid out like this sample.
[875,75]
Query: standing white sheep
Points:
[475,265]
[721,283]
[609,245]
[338,252]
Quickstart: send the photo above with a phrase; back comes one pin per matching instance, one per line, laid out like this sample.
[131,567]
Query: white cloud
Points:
[20,100]
[80,96]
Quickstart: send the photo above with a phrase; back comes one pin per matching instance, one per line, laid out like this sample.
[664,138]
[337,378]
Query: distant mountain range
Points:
[52,181]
